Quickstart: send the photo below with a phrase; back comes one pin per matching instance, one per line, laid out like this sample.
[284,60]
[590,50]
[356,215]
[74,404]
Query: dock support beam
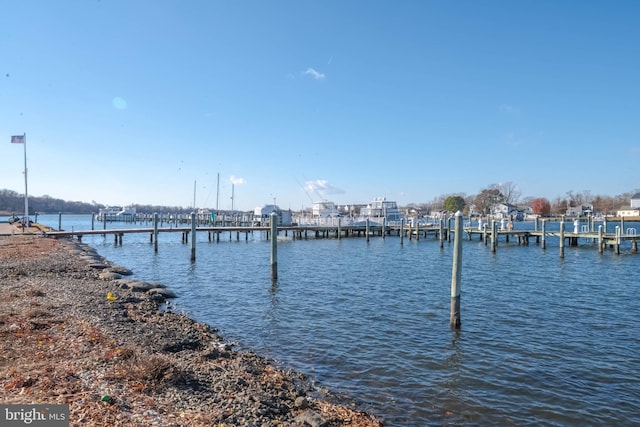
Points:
[367,229]
[456,273]
[155,232]
[600,240]
[274,246]
[494,237]
[561,239]
[193,236]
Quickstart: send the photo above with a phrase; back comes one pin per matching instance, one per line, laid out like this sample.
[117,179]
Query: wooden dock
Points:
[490,234]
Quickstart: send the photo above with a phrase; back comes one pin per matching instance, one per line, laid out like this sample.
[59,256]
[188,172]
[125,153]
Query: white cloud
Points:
[322,187]
[315,74]
[236,180]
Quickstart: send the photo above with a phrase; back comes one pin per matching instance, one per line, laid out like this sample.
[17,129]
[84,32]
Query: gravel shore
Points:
[75,331]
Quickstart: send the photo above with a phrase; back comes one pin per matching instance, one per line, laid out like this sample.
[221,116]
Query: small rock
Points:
[311,419]
[301,402]
[109,275]
[165,293]
[98,265]
[121,270]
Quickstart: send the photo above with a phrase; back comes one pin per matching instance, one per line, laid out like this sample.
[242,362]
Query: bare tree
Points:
[509,191]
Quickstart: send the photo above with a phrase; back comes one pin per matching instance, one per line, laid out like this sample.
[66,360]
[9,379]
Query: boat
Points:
[117,213]
[380,208]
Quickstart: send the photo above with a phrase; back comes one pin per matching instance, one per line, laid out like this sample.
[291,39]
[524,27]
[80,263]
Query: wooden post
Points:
[456,273]
[484,233]
[274,246]
[367,229]
[600,240]
[155,232]
[621,225]
[494,231]
[618,231]
[562,239]
[60,221]
[448,229]
[384,227]
[93,220]
[193,236]
[401,231]
[441,233]
[339,231]
[544,241]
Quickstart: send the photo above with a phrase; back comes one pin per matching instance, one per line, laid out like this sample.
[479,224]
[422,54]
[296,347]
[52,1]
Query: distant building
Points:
[506,210]
[628,211]
[380,207]
[584,209]
[635,201]
[262,215]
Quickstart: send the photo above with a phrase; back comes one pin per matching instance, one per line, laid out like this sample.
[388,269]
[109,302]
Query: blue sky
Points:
[126,101]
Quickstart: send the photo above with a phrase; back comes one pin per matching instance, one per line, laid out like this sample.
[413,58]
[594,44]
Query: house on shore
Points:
[633,209]
[585,209]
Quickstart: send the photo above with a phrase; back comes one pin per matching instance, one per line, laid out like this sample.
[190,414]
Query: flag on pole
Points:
[17,139]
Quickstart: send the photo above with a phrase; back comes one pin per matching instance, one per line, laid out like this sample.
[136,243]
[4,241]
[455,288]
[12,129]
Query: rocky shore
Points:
[74,330]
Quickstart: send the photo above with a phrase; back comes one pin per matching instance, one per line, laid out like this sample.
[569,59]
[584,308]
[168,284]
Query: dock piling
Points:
[456,273]
[155,232]
[274,246]
[367,230]
[562,238]
[193,236]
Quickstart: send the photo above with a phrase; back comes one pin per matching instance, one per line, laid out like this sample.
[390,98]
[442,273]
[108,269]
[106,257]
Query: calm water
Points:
[544,341]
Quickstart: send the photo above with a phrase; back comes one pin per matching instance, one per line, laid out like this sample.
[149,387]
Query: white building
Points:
[380,207]
[262,215]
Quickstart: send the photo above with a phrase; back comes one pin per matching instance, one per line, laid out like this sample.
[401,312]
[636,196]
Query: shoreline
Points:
[76,331]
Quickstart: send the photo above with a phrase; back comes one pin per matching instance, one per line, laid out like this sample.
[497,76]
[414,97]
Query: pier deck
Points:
[441,233]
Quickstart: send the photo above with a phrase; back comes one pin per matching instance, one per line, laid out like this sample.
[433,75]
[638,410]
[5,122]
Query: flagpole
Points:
[26,194]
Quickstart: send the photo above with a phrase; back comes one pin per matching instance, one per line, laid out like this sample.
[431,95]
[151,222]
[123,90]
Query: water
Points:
[544,341]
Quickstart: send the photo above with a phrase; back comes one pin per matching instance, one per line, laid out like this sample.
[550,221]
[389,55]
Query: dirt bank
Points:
[73,330]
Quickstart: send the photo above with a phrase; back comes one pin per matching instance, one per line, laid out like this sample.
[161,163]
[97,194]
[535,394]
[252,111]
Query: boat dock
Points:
[490,233]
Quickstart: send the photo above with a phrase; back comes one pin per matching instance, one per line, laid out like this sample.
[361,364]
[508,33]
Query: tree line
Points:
[12,202]
[508,193]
